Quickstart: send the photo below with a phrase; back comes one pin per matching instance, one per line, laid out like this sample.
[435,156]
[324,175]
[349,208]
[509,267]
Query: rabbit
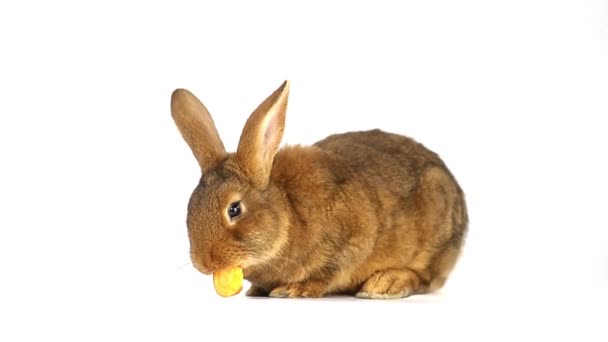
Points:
[367,213]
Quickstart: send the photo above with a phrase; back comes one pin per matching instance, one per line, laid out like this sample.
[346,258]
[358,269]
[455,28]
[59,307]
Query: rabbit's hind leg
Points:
[390,284]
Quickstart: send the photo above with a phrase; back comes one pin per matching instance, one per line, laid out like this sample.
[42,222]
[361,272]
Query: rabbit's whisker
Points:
[184,265]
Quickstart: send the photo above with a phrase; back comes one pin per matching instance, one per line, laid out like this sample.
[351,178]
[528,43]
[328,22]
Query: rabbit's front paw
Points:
[309,289]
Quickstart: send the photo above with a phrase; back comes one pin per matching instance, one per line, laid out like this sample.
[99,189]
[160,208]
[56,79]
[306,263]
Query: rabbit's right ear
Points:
[197,128]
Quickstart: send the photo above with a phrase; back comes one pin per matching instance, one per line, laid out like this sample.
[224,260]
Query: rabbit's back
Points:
[379,157]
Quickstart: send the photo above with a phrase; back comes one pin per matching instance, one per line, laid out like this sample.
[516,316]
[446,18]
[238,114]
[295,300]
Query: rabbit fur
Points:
[367,213]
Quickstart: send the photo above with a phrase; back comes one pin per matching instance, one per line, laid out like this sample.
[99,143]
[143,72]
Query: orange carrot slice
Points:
[228,282]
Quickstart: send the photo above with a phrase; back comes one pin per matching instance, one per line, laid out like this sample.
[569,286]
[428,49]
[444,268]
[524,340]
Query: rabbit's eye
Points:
[234,210]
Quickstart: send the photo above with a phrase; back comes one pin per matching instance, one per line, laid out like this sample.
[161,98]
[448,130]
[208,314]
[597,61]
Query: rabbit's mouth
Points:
[208,271]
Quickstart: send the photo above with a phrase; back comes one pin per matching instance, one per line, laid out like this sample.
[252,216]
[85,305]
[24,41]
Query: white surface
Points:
[94,177]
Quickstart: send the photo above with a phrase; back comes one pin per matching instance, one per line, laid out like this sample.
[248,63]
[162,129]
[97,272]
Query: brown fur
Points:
[368,213]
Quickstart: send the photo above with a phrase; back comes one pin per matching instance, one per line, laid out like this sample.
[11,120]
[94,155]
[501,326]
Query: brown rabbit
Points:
[367,213]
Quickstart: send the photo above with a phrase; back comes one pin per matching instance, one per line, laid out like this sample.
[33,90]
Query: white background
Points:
[94,177]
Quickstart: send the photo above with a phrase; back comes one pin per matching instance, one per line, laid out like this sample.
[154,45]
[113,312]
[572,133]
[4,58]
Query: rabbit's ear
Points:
[197,128]
[261,137]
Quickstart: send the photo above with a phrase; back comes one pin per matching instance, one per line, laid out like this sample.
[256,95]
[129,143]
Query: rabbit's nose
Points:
[206,260]
[201,259]
[201,267]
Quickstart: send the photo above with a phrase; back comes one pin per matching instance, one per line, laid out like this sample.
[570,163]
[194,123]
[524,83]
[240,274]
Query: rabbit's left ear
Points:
[262,136]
